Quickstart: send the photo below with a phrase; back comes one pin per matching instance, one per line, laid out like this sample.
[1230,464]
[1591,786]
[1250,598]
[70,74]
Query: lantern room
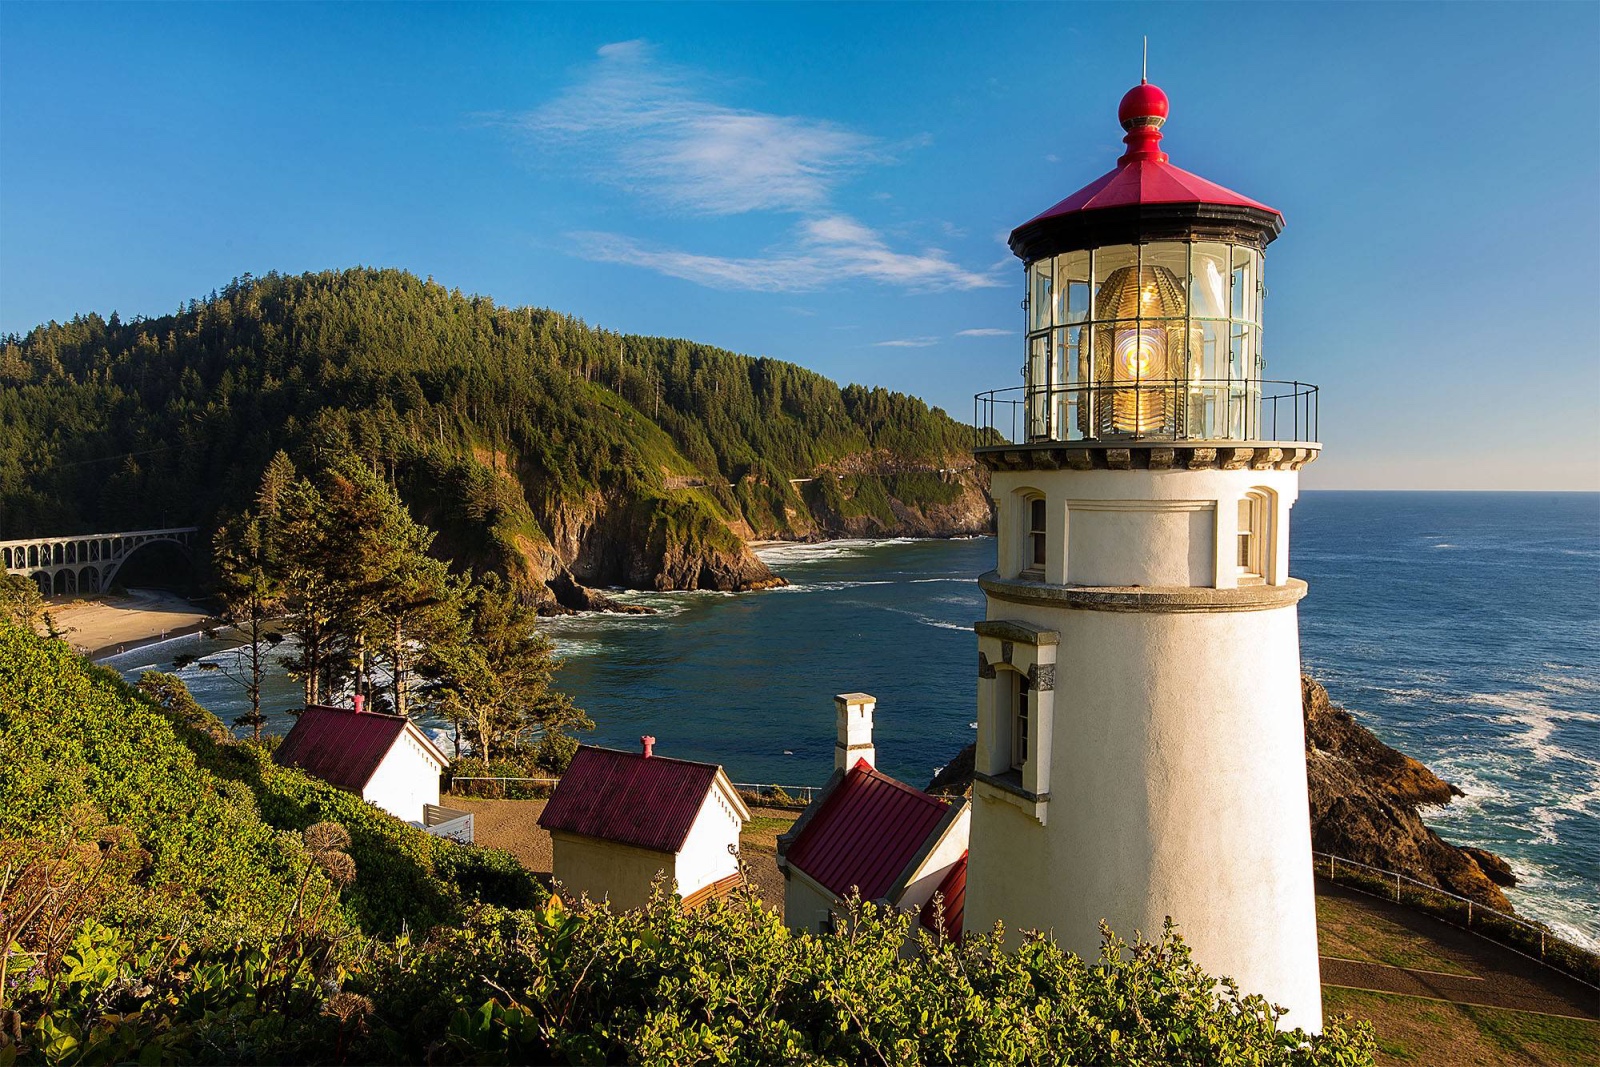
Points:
[1144,310]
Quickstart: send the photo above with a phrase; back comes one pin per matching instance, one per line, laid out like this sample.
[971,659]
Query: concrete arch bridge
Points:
[85,563]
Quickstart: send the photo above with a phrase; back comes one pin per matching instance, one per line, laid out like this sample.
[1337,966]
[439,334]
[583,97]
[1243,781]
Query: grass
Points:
[1349,931]
[1415,1030]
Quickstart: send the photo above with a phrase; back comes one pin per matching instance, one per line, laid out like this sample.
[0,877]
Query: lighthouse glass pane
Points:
[1246,282]
[1039,387]
[1072,283]
[1208,287]
[1040,297]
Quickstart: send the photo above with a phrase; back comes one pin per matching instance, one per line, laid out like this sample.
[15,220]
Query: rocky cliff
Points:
[1366,800]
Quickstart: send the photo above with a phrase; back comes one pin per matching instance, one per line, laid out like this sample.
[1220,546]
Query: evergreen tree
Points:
[495,685]
[252,598]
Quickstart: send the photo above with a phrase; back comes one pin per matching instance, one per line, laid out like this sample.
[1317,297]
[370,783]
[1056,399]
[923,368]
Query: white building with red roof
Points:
[617,820]
[384,759]
[871,834]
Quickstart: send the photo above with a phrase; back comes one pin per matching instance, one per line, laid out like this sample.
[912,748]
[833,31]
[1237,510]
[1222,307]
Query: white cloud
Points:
[985,331]
[649,132]
[908,342]
[646,127]
[823,251]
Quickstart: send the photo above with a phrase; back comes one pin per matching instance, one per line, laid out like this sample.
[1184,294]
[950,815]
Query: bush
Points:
[723,983]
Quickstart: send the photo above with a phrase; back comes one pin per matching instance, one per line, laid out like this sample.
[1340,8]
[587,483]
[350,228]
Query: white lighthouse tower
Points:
[1140,747]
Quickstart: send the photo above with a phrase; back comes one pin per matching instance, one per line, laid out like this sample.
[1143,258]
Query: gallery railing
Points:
[1188,409]
[1533,940]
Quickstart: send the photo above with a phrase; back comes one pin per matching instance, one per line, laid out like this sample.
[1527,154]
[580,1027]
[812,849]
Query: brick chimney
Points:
[361,703]
[649,745]
[855,730]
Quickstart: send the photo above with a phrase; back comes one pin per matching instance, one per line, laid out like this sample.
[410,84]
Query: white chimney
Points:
[855,730]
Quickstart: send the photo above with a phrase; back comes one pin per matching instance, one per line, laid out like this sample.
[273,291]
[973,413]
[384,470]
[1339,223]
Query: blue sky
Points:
[832,184]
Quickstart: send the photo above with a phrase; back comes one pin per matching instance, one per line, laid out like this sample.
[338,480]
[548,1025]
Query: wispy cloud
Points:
[985,331]
[823,251]
[647,127]
[908,342]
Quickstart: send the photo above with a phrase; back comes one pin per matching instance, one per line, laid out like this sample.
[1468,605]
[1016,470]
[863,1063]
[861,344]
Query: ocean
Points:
[1462,628]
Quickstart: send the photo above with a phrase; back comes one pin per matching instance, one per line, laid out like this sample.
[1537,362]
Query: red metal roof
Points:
[338,745]
[650,802]
[1143,175]
[865,834]
[953,889]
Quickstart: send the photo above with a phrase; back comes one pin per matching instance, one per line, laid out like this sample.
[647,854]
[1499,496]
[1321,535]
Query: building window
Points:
[1019,724]
[1036,535]
[1253,537]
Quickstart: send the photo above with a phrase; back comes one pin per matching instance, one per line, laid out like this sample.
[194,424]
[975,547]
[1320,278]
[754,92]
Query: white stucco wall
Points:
[705,857]
[1142,527]
[931,871]
[407,779]
[806,905]
[1177,782]
[607,870]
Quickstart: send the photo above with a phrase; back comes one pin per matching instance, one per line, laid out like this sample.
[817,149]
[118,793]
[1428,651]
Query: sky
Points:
[833,184]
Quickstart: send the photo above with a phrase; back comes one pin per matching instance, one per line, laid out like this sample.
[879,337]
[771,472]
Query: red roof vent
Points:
[1142,112]
[649,745]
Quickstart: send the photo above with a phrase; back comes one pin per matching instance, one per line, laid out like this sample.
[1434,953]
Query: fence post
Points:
[1469,914]
[1397,887]
[1330,867]
[1541,944]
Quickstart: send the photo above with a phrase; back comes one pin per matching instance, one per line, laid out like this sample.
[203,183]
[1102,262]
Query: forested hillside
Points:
[535,444]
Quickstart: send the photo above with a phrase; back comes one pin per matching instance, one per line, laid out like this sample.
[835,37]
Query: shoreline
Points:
[103,626]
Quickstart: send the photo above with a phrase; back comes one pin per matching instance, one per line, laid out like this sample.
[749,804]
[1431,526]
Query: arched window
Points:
[1033,544]
[1255,536]
[1020,720]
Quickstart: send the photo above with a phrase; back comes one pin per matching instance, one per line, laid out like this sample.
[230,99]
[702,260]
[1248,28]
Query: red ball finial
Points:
[1143,105]
[1142,112]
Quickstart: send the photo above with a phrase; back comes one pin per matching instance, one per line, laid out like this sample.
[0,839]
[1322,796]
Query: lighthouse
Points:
[1140,749]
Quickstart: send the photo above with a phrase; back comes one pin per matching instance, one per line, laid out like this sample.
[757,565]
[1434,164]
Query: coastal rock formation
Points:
[1365,801]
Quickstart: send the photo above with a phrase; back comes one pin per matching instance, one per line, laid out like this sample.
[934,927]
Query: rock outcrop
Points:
[1365,804]
[1365,801]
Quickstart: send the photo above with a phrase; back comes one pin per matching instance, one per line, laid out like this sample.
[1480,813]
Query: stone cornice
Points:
[1154,599]
[1149,455]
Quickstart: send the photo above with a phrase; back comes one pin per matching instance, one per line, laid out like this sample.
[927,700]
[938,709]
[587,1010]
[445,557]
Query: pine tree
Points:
[496,683]
[252,597]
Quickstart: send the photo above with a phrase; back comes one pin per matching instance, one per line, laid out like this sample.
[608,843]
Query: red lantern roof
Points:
[1143,178]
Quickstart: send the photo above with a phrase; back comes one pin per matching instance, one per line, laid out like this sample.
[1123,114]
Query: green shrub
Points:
[725,983]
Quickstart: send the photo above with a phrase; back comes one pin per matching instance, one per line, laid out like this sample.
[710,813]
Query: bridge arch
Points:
[87,563]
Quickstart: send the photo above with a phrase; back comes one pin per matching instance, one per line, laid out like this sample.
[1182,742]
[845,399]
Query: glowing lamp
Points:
[1142,336]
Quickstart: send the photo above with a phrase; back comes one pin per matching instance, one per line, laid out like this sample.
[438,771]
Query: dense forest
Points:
[536,445]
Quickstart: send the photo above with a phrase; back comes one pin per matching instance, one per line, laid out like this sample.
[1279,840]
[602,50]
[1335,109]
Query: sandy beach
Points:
[106,625]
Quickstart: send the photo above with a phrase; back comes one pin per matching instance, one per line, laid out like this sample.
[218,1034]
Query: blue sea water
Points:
[1463,628]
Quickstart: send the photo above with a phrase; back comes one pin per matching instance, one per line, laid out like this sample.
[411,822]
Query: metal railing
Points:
[779,794]
[1532,940]
[502,787]
[1188,409]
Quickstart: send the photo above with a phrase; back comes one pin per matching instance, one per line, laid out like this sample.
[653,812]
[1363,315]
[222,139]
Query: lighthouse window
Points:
[1019,725]
[1036,534]
[1253,522]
